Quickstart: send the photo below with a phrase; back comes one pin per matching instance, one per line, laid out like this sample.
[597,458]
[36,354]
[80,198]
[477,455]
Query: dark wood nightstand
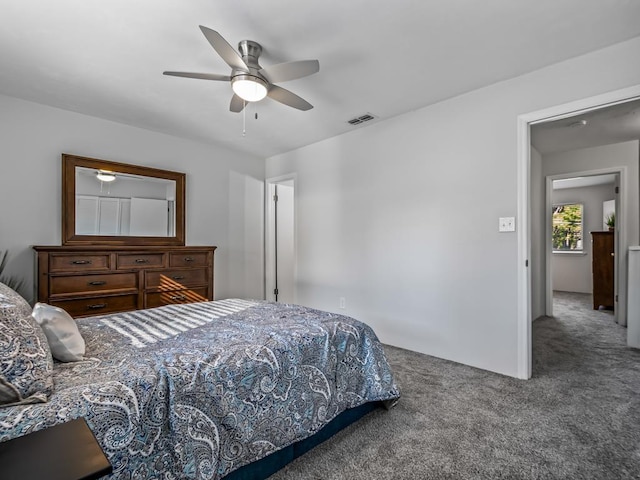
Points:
[68,451]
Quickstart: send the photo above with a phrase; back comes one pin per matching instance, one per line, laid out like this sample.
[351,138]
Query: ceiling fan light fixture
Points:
[105,176]
[249,87]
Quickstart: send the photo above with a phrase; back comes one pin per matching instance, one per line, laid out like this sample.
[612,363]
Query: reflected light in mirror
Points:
[105,176]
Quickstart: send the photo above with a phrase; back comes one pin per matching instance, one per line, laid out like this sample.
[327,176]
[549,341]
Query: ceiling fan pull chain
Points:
[244,118]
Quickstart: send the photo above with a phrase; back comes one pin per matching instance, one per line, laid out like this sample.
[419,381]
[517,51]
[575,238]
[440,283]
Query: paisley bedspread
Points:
[196,391]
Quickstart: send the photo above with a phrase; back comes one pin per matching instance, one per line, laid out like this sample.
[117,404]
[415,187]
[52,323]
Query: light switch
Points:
[507,224]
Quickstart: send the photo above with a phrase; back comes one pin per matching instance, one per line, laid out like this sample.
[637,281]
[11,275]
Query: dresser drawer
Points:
[78,262]
[127,261]
[175,279]
[83,307]
[188,259]
[157,299]
[90,279]
[81,284]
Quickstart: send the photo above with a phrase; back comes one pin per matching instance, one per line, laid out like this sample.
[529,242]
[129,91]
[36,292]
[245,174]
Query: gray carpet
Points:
[577,418]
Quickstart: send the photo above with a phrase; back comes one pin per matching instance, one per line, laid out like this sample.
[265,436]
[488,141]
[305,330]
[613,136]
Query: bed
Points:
[225,389]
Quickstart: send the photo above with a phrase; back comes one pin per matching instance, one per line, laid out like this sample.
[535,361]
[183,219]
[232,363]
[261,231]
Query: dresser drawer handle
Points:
[142,260]
[189,259]
[96,306]
[97,283]
[80,262]
[178,277]
[178,297]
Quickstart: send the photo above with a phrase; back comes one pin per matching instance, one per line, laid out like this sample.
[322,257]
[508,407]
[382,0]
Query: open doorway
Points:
[597,146]
[280,244]
[582,247]
[532,237]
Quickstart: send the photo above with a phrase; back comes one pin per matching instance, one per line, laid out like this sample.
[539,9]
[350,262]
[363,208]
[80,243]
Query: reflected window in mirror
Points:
[109,203]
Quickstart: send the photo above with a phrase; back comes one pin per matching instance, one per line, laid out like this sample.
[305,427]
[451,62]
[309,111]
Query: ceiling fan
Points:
[251,82]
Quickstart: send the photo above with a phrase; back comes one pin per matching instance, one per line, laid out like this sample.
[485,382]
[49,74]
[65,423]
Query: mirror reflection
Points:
[123,204]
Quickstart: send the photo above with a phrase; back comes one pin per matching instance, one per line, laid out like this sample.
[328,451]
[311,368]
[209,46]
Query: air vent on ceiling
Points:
[361,119]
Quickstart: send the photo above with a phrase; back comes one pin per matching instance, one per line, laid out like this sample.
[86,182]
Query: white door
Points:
[620,264]
[87,210]
[148,217]
[280,271]
[125,216]
[109,216]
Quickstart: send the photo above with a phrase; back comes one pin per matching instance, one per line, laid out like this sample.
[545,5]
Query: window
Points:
[567,227]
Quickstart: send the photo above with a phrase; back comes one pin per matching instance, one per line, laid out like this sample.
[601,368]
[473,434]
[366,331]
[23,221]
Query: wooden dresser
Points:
[602,262]
[92,280]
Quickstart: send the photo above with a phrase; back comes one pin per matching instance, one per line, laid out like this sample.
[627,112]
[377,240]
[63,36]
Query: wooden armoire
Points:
[602,261]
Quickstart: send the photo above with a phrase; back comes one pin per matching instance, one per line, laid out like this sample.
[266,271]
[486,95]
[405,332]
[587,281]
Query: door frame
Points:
[269,247]
[523,172]
[620,244]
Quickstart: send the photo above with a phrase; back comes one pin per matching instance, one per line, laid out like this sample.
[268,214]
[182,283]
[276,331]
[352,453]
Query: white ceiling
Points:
[604,126]
[106,58]
[578,182]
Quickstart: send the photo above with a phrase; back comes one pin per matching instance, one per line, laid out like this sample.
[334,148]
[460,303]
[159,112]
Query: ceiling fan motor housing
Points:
[250,52]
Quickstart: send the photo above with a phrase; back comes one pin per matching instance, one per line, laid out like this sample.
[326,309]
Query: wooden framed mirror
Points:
[111,203]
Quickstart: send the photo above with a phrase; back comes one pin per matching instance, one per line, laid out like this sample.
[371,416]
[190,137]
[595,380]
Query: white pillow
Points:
[65,341]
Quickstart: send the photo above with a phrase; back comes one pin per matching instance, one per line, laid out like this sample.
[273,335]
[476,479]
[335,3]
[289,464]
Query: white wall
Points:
[224,189]
[625,154]
[571,272]
[401,217]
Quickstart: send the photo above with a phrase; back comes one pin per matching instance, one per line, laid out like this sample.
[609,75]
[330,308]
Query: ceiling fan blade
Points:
[226,51]
[237,104]
[284,72]
[201,76]
[282,95]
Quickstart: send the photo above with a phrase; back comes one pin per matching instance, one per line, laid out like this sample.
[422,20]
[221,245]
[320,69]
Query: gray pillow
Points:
[26,365]
[65,341]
